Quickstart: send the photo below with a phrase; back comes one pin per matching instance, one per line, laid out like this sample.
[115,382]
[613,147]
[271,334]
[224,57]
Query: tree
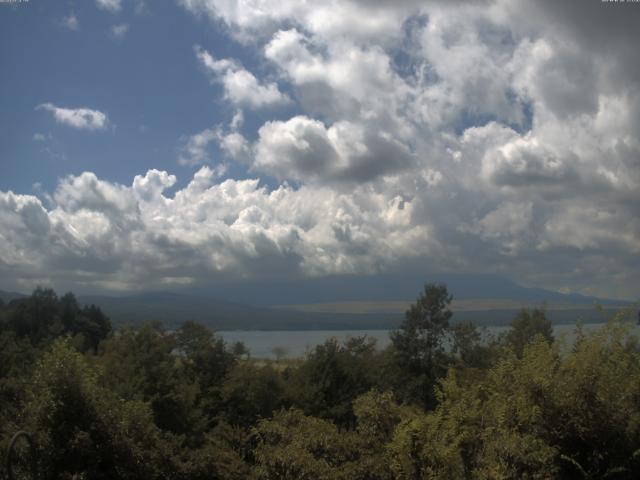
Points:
[280,352]
[85,431]
[205,356]
[525,326]
[251,392]
[43,316]
[141,365]
[36,317]
[94,325]
[418,345]
[469,347]
[332,376]
[293,446]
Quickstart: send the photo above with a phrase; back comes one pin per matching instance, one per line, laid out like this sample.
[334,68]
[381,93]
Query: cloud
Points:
[348,81]
[196,148]
[119,31]
[241,87]
[71,22]
[305,150]
[508,224]
[80,118]
[362,20]
[493,136]
[236,146]
[512,127]
[112,6]
[100,233]
[105,235]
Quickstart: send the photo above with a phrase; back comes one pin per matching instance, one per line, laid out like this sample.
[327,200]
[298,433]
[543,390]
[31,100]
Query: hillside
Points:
[342,303]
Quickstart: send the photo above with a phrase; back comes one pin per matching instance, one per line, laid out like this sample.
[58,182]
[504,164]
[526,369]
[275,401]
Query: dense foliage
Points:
[440,402]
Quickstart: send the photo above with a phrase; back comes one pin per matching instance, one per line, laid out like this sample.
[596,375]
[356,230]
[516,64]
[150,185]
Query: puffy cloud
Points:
[241,87]
[509,224]
[236,146]
[525,162]
[463,70]
[513,127]
[492,136]
[81,118]
[366,21]
[25,226]
[104,234]
[304,149]
[151,186]
[347,81]
[588,227]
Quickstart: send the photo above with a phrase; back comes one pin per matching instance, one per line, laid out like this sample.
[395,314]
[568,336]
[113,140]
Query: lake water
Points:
[297,343]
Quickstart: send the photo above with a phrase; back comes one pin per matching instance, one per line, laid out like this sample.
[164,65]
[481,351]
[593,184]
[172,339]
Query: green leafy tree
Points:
[36,317]
[332,376]
[43,317]
[525,326]
[141,365]
[293,446]
[205,356]
[378,415]
[419,345]
[85,431]
[471,350]
[251,392]
[541,415]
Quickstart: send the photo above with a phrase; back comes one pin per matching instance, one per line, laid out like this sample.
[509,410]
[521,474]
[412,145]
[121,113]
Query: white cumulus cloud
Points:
[498,136]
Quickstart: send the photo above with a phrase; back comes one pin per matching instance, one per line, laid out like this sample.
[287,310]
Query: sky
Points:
[186,143]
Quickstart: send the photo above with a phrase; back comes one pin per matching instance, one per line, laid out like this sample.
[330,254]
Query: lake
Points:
[297,343]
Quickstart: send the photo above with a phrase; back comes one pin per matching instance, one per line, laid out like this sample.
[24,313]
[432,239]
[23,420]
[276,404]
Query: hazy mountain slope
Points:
[388,287]
[341,302]
[8,296]
[172,309]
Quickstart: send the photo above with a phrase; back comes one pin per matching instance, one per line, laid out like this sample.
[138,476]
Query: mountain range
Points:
[345,302]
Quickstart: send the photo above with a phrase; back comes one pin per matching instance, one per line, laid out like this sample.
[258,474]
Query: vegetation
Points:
[438,403]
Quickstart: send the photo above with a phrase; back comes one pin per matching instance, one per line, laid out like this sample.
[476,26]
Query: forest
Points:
[441,402]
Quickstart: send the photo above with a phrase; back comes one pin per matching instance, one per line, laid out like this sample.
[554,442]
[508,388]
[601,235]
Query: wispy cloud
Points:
[119,31]
[81,118]
[241,87]
[71,22]
[196,148]
[112,6]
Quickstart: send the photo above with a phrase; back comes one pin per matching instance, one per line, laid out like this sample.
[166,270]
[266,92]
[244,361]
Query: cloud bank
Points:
[493,136]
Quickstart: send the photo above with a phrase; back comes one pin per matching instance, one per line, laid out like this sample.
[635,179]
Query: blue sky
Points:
[188,143]
[148,82]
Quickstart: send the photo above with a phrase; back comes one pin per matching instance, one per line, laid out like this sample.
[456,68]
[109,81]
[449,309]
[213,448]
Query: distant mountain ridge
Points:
[8,296]
[390,287]
[253,306]
[172,309]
